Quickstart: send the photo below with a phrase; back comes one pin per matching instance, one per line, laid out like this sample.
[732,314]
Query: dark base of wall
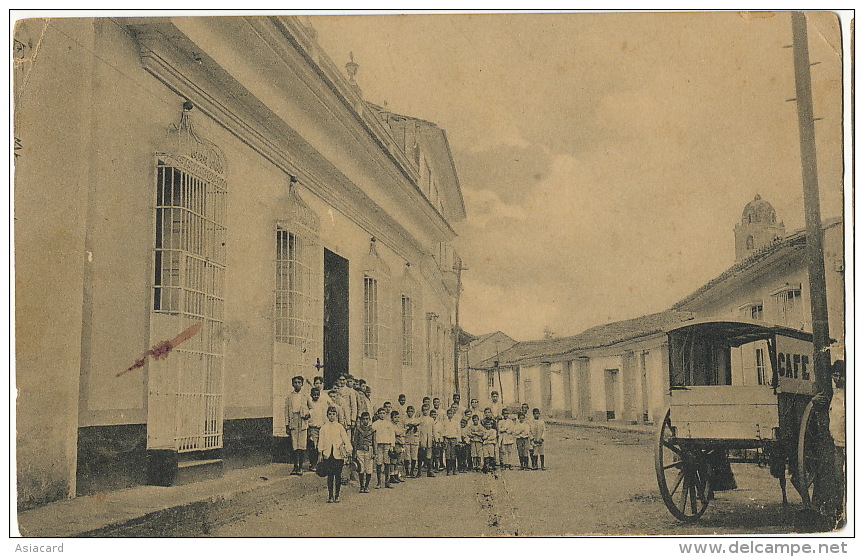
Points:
[280,449]
[247,442]
[116,457]
[162,466]
[111,457]
[33,493]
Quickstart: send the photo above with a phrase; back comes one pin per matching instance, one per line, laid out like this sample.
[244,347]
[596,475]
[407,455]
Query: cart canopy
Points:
[724,352]
[736,333]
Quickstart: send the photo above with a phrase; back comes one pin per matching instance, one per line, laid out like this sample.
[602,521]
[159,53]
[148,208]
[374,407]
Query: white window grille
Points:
[297,299]
[186,389]
[371,321]
[407,331]
[296,272]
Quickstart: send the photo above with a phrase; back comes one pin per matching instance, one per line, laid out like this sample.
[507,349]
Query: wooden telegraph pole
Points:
[457,329]
[815,255]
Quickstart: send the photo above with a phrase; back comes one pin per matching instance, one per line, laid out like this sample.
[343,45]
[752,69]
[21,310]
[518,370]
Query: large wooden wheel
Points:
[683,474]
[807,460]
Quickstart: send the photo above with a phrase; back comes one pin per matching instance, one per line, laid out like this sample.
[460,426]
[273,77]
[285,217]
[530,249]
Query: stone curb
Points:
[641,429]
[187,515]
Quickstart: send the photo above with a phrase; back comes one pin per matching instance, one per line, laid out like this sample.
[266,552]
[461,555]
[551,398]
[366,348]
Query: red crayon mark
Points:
[161,350]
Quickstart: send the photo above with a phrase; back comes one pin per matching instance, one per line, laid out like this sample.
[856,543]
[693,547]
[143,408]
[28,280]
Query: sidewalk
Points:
[152,511]
[193,509]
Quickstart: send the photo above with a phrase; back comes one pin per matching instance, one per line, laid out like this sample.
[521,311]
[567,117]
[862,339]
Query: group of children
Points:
[453,441]
[398,442]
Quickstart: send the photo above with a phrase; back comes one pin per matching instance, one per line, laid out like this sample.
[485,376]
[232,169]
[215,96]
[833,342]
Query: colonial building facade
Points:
[218,179]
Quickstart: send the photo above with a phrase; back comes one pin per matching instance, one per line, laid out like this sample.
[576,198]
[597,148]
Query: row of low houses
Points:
[618,371]
[220,176]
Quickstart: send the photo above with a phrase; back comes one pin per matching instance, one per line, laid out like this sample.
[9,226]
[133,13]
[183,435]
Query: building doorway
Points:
[335,317]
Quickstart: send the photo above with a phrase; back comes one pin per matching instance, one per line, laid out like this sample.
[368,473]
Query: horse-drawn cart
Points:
[740,391]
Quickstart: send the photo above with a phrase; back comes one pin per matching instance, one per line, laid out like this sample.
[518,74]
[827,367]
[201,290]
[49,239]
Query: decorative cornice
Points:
[176,70]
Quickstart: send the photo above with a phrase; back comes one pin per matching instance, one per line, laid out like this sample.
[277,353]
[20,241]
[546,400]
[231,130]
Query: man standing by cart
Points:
[837,428]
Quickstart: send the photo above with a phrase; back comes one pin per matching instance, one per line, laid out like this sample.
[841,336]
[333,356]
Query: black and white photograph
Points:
[430,274]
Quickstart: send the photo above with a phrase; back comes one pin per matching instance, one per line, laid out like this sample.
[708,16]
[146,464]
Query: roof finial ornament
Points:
[757,198]
[352,67]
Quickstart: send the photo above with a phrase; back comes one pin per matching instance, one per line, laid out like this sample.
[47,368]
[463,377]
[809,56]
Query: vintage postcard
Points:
[430,275]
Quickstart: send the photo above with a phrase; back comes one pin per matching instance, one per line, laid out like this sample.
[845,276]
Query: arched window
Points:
[297,316]
[409,299]
[749,242]
[375,304]
[185,402]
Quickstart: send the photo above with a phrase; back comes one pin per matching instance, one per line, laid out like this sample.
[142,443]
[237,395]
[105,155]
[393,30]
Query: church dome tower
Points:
[758,228]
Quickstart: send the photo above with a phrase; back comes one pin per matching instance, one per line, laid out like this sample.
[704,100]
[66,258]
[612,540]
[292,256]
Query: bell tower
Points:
[758,228]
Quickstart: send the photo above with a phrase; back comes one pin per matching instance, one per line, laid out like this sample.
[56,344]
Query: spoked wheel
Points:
[807,461]
[683,474]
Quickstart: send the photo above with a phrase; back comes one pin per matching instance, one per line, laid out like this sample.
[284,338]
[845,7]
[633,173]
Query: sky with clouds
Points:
[604,158]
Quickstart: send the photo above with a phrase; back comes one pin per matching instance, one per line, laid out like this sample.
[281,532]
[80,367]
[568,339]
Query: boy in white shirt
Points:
[297,405]
[496,405]
[437,440]
[398,452]
[522,432]
[490,442]
[425,442]
[538,432]
[384,440]
[476,431]
[412,442]
[317,417]
[451,432]
[506,440]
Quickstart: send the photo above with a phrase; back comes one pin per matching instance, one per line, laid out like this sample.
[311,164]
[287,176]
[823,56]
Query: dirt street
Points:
[598,482]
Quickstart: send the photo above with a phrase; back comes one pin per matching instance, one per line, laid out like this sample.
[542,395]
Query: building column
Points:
[431,331]
[546,387]
[629,382]
[567,375]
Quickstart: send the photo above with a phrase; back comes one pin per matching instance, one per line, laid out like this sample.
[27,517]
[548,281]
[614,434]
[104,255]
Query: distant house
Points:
[618,372]
[609,372]
[479,376]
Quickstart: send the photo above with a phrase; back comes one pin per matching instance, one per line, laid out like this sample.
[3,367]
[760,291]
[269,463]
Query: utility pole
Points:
[815,254]
[457,329]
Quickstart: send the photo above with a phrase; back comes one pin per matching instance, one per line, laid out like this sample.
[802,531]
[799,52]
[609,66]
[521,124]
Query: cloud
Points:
[511,171]
[604,158]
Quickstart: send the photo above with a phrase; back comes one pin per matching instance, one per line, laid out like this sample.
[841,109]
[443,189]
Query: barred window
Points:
[371,322]
[185,406]
[295,300]
[407,331]
[190,242]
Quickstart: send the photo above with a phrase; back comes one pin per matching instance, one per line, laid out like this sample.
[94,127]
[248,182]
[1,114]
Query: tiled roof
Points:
[794,241]
[596,337]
